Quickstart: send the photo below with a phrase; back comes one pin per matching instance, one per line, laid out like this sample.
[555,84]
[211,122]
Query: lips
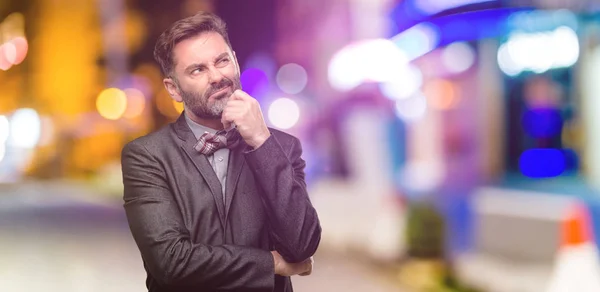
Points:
[220,91]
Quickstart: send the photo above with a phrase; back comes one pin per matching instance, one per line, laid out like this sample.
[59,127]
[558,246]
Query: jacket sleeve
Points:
[295,226]
[164,242]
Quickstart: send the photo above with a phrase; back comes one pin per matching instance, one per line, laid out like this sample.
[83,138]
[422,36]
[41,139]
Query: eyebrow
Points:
[199,65]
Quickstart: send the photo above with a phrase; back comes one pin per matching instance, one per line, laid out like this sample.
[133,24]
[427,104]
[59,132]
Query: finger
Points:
[226,125]
[236,106]
[235,103]
[237,95]
[231,112]
[227,117]
[242,95]
[307,272]
[307,266]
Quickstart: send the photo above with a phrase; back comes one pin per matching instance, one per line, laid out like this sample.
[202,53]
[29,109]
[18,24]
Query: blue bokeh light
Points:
[542,123]
[542,163]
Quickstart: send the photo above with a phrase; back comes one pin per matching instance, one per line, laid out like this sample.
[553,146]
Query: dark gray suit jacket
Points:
[189,239]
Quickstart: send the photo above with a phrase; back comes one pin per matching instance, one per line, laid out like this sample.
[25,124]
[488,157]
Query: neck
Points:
[211,123]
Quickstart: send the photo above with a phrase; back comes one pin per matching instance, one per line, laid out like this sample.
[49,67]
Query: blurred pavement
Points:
[66,237]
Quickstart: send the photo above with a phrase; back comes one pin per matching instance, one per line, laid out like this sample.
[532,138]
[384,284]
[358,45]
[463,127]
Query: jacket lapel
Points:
[202,165]
[234,169]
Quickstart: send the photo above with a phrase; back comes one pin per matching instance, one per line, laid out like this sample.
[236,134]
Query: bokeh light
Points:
[178,106]
[342,74]
[542,122]
[539,52]
[25,128]
[412,108]
[441,94]
[5,64]
[291,78]
[284,113]
[381,60]
[136,102]
[48,131]
[404,85]
[418,40]
[255,82]
[2,152]
[377,60]
[429,7]
[542,163]
[21,49]
[4,129]
[458,57]
[10,52]
[506,63]
[165,104]
[566,47]
[111,103]
[263,62]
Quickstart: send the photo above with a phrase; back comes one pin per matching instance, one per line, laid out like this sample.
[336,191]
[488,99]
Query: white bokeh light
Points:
[539,52]
[506,63]
[4,129]
[284,113]
[342,73]
[405,84]
[381,60]
[377,60]
[458,57]
[25,128]
[565,41]
[2,151]
[412,108]
[418,40]
[291,78]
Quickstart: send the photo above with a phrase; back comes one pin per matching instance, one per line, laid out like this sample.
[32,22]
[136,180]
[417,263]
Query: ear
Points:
[173,89]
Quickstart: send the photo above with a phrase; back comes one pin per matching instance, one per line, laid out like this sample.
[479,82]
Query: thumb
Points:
[226,125]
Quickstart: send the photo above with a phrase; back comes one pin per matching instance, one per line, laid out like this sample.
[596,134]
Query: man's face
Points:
[206,73]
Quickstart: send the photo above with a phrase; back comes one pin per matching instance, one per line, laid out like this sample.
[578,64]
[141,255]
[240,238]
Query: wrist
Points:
[259,139]
[276,264]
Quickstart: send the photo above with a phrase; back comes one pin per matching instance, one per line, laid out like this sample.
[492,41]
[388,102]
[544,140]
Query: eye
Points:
[223,61]
[197,70]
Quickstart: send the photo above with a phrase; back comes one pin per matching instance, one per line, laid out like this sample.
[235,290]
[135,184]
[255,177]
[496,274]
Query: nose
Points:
[215,76]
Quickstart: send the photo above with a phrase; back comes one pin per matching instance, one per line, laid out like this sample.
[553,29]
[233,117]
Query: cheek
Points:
[195,86]
[230,72]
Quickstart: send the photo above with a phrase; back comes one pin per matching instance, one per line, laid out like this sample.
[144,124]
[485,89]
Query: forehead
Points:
[202,48]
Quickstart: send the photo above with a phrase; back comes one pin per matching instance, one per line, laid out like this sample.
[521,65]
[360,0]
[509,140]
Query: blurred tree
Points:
[425,231]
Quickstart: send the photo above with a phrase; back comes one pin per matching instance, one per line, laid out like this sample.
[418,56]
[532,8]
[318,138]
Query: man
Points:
[216,201]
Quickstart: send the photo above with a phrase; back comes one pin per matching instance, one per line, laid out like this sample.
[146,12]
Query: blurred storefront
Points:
[399,104]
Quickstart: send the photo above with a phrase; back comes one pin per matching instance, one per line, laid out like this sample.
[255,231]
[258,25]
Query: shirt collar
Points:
[198,129]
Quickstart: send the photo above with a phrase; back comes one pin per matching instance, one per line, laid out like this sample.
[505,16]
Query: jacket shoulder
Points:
[151,141]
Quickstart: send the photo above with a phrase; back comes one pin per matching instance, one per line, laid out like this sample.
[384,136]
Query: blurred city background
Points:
[451,145]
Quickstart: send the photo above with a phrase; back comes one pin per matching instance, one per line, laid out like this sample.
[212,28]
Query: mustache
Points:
[222,84]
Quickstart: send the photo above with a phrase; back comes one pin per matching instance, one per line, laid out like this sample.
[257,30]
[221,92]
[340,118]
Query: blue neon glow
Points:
[407,13]
[542,163]
[430,7]
[542,123]
[458,27]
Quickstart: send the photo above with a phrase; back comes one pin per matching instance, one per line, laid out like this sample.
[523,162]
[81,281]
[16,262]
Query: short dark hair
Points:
[184,29]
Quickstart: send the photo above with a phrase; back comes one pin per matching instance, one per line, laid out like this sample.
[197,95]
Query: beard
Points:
[199,103]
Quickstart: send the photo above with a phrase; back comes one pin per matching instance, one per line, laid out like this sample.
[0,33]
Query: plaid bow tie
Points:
[209,142]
